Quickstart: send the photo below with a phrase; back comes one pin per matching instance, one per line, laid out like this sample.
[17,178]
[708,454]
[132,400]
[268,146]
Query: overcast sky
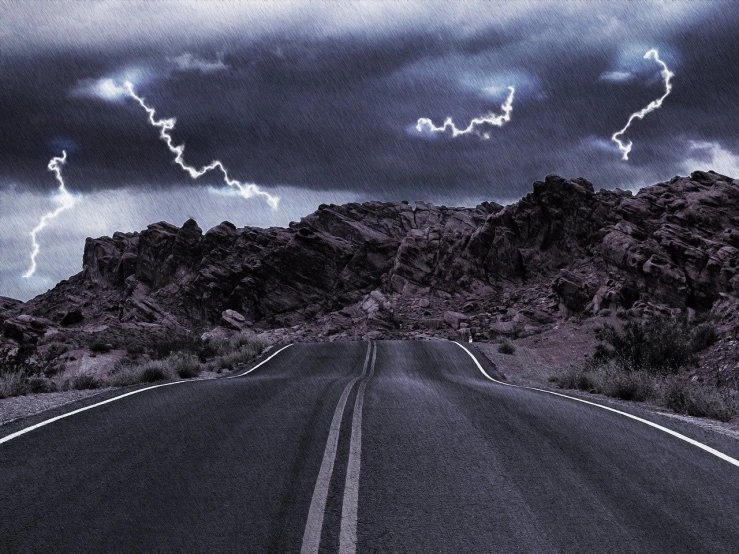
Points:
[318,101]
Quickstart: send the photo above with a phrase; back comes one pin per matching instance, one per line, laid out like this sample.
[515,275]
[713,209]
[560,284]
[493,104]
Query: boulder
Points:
[232,319]
[455,319]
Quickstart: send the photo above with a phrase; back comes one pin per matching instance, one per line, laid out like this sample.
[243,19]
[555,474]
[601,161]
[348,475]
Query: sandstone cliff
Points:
[398,270]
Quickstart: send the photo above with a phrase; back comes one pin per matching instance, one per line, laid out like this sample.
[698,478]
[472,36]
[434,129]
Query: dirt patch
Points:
[538,356]
[19,407]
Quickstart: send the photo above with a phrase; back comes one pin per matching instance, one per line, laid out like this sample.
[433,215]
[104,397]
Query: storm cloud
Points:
[321,99]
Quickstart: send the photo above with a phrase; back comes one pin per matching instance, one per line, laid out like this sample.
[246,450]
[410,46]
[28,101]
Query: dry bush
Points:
[13,383]
[234,351]
[506,347]
[610,380]
[676,394]
[700,400]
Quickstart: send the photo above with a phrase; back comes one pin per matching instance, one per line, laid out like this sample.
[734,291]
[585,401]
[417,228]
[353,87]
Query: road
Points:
[366,447]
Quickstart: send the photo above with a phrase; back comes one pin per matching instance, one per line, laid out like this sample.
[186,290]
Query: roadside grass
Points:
[677,394]
[642,361]
[234,351]
[13,384]
[163,363]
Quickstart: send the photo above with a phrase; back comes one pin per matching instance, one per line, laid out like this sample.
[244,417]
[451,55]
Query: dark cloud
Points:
[325,100]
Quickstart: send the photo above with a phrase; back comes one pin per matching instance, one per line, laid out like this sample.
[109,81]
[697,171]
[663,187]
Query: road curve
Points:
[428,455]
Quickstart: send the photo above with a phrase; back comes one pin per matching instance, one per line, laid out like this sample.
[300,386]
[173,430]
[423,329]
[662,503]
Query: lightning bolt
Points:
[248,190]
[652,54]
[65,201]
[489,119]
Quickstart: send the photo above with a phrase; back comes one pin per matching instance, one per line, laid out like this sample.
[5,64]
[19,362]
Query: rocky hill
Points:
[397,270]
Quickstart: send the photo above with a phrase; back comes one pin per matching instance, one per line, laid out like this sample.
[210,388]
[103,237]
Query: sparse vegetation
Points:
[12,383]
[234,351]
[641,362]
[610,380]
[189,363]
[186,366]
[24,371]
[704,335]
[674,393]
[506,347]
[699,400]
[135,350]
[153,373]
[656,344]
[101,348]
[85,381]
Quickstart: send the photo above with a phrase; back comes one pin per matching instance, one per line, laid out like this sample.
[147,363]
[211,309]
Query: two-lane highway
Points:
[367,447]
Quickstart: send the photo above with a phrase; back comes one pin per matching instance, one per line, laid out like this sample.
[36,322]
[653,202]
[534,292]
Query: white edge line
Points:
[109,400]
[700,445]
[260,363]
[90,407]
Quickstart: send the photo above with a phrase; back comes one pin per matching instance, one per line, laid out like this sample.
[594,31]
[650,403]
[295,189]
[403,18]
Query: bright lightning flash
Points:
[489,119]
[667,75]
[248,190]
[65,201]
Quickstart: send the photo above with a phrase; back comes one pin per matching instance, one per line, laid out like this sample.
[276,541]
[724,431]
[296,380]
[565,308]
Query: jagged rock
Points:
[25,327]
[72,317]
[455,319]
[233,320]
[9,307]
[378,309]
[393,268]
[13,331]
[574,291]
[432,323]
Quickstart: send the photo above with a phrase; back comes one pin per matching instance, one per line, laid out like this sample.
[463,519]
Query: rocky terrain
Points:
[561,255]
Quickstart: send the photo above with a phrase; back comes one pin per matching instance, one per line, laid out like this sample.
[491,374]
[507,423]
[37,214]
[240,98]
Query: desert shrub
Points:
[234,351]
[188,372]
[703,336]
[54,350]
[243,355]
[700,400]
[85,381]
[38,384]
[151,374]
[656,344]
[101,348]
[13,383]
[135,350]
[626,385]
[184,365]
[602,354]
[188,343]
[610,380]
[127,372]
[574,378]
[234,343]
[506,348]
[8,363]
[675,394]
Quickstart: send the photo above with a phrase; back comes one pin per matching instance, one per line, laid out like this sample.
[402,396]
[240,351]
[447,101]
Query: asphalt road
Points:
[344,447]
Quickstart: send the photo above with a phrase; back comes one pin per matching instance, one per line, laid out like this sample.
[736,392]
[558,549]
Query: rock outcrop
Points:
[393,269]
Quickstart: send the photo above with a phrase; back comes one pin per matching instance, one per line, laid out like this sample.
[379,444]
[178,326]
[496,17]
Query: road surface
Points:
[361,447]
